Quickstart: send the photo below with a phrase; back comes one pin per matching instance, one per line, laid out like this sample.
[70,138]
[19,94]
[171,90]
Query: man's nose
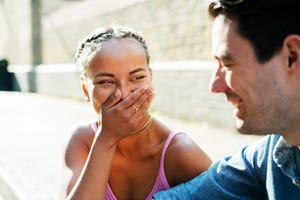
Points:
[218,83]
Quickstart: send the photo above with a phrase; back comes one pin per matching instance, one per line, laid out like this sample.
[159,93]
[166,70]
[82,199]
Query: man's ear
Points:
[84,88]
[292,42]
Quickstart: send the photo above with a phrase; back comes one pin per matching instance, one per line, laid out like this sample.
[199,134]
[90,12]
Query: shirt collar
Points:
[282,152]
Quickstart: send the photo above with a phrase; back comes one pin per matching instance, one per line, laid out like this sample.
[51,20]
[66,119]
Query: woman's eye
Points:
[106,82]
[138,77]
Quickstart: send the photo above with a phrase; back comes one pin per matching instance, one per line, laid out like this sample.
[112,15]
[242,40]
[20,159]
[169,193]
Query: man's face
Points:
[255,89]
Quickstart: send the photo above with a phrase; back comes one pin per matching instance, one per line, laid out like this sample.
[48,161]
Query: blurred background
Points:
[175,30]
[39,39]
[41,99]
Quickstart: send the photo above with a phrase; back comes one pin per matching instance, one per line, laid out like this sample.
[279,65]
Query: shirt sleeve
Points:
[233,178]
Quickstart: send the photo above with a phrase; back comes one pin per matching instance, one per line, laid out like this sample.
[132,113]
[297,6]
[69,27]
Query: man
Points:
[257,46]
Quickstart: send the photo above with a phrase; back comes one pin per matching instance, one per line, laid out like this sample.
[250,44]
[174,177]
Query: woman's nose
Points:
[218,83]
[125,90]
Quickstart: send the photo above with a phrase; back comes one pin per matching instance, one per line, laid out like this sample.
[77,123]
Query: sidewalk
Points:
[34,129]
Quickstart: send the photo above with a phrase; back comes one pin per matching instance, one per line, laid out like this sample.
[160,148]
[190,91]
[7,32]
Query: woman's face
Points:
[120,64]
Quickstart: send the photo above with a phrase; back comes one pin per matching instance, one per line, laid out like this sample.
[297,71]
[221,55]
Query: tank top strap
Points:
[94,126]
[166,145]
[109,195]
[161,182]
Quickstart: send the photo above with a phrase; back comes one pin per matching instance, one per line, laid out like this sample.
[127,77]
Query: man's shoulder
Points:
[266,143]
[259,153]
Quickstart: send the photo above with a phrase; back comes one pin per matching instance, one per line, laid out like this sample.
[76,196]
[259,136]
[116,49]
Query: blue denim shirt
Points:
[267,169]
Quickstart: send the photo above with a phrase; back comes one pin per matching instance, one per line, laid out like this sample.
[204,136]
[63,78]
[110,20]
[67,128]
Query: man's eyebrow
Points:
[137,70]
[224,56]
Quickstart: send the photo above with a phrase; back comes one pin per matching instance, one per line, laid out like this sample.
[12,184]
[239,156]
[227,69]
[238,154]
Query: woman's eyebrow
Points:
[137,70]
[103,74]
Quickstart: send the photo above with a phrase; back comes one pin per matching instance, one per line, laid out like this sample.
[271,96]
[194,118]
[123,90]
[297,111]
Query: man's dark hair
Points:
[265,23]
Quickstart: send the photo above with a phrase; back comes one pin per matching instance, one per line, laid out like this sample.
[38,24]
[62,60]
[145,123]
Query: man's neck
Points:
[292,138]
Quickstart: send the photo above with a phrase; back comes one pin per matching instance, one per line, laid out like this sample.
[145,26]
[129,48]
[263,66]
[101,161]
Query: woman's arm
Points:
[77,152]
[89,181]
[118,120]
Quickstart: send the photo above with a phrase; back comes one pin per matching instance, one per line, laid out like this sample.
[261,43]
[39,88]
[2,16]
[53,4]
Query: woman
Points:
[126,154]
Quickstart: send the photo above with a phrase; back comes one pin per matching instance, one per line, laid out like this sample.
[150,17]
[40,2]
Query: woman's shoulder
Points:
[176,139]
[78,146]
[81,136]
[83,130]
[185,156]
[181,142]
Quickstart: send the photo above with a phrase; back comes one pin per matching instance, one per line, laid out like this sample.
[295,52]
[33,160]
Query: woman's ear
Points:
[84,89]
[150,72]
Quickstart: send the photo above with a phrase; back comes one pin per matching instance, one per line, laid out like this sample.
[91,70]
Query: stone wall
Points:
[174,30]
[15,31]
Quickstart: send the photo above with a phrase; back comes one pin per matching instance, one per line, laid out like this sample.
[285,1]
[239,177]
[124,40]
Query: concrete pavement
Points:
[35,128]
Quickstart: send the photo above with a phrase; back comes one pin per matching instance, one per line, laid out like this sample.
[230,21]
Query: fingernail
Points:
[151,89]
[145,87]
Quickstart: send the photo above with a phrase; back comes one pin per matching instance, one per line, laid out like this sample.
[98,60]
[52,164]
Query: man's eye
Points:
[225,67]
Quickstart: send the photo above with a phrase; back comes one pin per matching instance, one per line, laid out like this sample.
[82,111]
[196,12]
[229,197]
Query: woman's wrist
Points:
[106,139]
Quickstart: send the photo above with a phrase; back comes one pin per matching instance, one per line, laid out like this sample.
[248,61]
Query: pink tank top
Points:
[161,182]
